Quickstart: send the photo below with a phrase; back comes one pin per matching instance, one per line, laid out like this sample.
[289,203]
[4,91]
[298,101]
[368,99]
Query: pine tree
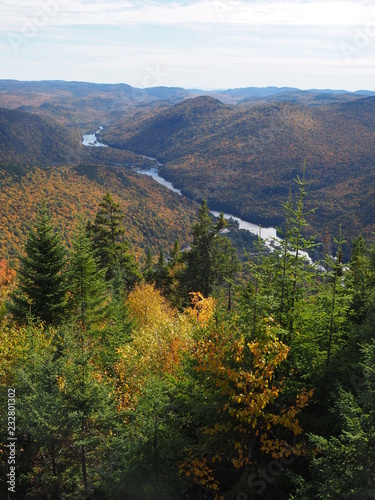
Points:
[209,260]
[86,282]
[161,274]
[107,233]
[41,290]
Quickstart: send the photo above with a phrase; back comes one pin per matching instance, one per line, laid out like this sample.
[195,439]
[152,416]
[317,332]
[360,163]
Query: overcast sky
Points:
[207,44]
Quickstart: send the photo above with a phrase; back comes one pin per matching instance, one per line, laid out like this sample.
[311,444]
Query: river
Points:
[268,234]
[90,140]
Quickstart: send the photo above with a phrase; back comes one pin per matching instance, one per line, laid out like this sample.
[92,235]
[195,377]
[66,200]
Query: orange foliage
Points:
[202,308]
[153,216]
[7,277]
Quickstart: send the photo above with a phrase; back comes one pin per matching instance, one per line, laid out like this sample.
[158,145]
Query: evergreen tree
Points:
[90,413]
[107,233]
[343,465]
[209,260]
[225,265]
[161,274]
[176,271]
[176,253]
[257,295]
[148,271]
[118,329]
[86,282]
[358,278]
[40,419]
[41,290]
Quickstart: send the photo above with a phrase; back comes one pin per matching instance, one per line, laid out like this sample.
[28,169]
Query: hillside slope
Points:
[32,140]
[154,217]
[244,159]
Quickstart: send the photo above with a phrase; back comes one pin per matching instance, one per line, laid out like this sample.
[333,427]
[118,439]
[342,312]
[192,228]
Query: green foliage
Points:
[41,290]
[210,259]
[136,395]
[107,234]
[87,287]
[343,465]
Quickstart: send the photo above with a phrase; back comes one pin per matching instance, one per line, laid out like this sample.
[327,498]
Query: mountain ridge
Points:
[242,160]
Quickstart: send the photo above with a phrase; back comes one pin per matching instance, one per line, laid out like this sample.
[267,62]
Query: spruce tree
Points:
[41,289]
[86,282]
[358,278]
[107,233]
[148,270]
[118,329]
[209,260]
[161,275]
[176,253]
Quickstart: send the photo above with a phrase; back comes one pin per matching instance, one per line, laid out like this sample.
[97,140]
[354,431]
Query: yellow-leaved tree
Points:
[158,341]
[247,418]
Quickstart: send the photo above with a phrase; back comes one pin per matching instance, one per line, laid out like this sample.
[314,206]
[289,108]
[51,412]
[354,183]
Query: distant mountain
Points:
[304,97]
[32,140]
[257,91]
[84,105]
[239,148]
[174,128]
[243,159]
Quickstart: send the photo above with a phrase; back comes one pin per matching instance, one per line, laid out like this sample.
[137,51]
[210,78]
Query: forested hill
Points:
[175,132]
[32,140]
[85,105]
[242,159]
[154,217]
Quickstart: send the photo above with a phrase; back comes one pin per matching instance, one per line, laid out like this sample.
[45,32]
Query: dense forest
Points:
[242,158]
[188,377]
[236,148]
[154,217]
[29,139]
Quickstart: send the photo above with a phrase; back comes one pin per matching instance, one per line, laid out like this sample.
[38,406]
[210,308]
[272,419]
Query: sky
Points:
[205,44]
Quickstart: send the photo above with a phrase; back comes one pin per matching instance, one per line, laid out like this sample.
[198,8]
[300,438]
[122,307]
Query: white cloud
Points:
[236,12]
[201,43]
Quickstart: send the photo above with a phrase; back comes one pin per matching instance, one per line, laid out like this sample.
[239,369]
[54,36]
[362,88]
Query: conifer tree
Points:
[176,271]
[176,253]
[41,290]
[299,244]
[86,281]
[119,327]
[209,259]
[148,270]
[292,272]
[359,278]
[343,465]
[161,274]
[107,233]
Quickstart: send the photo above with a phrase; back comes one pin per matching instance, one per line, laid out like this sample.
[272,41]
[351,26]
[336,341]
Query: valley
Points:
[240,149]
[158,351]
